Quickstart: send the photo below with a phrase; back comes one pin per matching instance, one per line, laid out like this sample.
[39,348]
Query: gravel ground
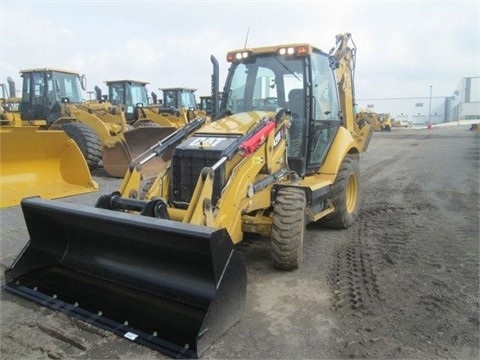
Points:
[403,282]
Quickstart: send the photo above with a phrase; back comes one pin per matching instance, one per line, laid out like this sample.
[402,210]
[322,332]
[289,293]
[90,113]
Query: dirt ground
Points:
[403,282]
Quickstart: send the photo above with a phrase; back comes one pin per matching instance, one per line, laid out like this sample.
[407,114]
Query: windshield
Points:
[64,85]
[188,100]
[138,94]
[264,83]
[115,93]
[179,99]
[270,83]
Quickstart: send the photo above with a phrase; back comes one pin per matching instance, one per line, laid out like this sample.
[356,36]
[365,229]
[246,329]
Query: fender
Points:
[343,144]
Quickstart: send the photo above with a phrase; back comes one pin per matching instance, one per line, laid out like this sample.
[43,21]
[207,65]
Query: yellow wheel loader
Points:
[379,122]
[52,100]
[161,268]
[48,98]
[34,162]
[40,163]
[150,122]
[205,104]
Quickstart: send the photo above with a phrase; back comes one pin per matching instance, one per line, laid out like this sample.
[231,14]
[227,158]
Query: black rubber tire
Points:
[89,143]
[345,195]
[288,228]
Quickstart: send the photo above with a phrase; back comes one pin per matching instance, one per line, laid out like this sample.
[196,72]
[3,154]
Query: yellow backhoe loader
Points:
[35,162]
[161,269]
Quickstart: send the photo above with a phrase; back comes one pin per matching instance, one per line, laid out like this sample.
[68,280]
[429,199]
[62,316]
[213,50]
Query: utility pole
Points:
[430,107]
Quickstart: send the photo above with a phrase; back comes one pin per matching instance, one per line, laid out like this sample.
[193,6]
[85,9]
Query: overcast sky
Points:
[403,47]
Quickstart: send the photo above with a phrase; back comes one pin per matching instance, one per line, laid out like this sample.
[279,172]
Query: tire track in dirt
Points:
[352,277]
[416,257]
[388,280]
[357,299]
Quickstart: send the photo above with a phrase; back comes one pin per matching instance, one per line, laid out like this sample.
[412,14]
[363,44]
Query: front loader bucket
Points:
[173,287]
[39,162]
[119,153]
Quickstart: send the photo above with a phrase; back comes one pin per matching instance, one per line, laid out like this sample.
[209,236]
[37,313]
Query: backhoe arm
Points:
[344,57]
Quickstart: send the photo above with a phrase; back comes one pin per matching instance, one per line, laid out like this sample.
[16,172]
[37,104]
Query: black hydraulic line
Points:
[172,139]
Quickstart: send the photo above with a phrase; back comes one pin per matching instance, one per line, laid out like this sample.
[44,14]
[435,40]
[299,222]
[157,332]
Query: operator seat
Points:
[296,102]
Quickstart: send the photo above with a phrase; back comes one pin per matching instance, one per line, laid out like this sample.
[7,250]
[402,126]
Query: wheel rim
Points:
[351,193]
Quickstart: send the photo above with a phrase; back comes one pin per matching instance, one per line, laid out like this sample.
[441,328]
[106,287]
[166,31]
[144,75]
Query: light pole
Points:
[430,106]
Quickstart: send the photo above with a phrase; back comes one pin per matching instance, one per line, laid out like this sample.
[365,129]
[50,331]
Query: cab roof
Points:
[177,88]
[45,69]
[127,81]
[275,48]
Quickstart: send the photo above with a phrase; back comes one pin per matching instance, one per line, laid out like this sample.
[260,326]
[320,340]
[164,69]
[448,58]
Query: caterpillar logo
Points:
[207,141]
[278,137]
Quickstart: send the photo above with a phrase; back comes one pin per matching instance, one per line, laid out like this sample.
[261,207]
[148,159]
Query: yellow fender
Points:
[343,144]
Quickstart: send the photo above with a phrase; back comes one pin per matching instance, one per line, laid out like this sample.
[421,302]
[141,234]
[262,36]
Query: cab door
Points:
[324,110]
[34,99]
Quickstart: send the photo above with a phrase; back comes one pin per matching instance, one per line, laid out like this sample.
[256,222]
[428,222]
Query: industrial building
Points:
[463,104]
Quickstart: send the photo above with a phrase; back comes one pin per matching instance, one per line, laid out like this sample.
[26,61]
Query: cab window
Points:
[324,91]
[324,110]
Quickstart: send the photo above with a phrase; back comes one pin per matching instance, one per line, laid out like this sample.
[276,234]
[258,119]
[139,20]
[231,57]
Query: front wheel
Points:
[345,197]
[288,228]
[87,140]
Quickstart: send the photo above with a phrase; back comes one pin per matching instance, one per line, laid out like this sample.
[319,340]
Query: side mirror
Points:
[83,81]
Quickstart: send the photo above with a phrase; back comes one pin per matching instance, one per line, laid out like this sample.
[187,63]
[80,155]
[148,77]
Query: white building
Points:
[464,104]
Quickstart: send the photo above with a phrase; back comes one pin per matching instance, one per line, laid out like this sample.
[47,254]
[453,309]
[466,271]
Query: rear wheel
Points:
[89,143]
[345,195]
[288,228]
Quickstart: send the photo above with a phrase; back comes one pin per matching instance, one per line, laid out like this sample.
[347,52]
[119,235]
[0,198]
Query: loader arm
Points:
[263,149]
[131,183]
[163,271]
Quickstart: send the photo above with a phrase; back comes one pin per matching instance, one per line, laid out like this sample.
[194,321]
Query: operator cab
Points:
[299,78]
[44,89]
[130,93]
[179,98]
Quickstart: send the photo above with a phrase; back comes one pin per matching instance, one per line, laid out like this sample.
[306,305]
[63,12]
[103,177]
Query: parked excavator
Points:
[37,162]
[162,269]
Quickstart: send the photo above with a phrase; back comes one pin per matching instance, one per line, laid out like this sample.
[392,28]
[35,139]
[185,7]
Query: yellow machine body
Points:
[150,122]
[158,257]
[40,163]
[379,122]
